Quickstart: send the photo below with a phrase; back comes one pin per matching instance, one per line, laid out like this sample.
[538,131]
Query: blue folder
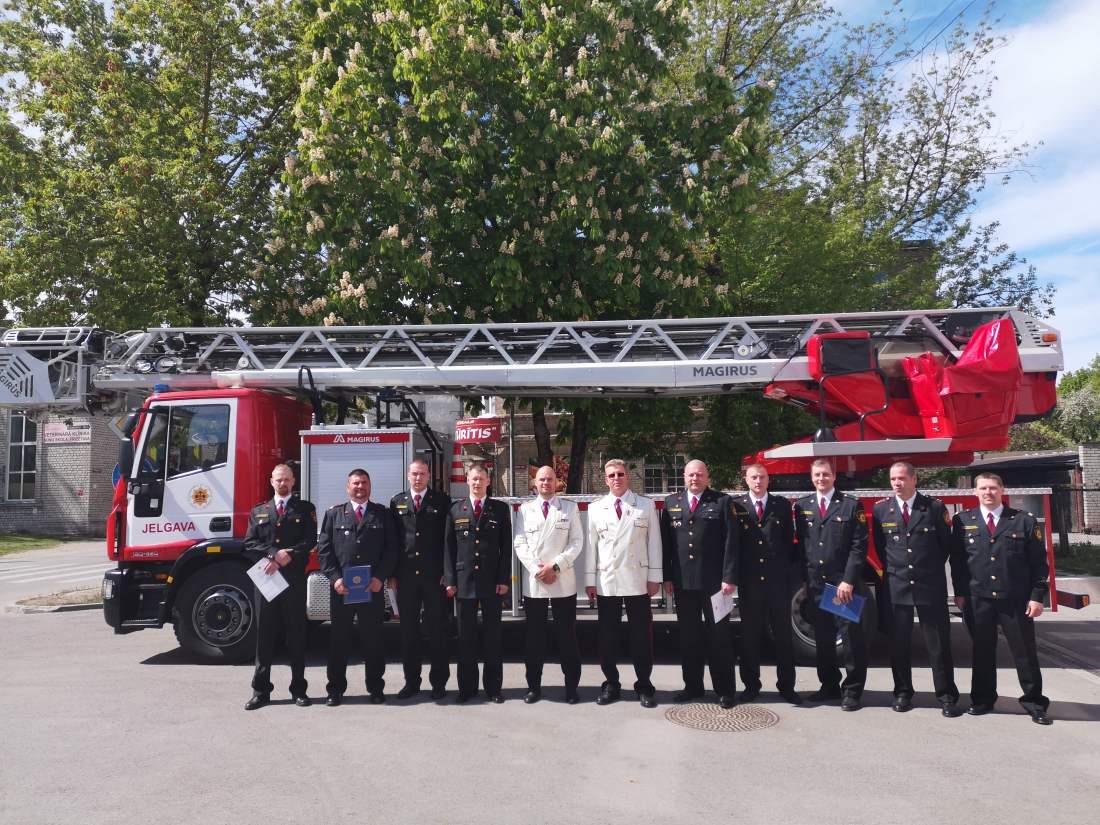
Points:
[357,581]
[831,603]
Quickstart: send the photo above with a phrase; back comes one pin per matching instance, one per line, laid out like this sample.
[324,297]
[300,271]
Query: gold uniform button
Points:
[477,541]
[994,592]
[477,554]
[992,558]
[691,557]
[631,555]
[910,567]
[821,562]
[690,533]
[418,572]
[761,578]
[910,551]
[417,534]
[821,543]
[475,567]
[993,577]
[912,582]
[761,560]
[417,553]
[691,545]
[761,542]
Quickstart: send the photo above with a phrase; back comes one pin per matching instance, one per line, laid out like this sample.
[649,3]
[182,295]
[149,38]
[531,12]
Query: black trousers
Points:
[1019,631]
[774,602]
[493,677]
[287,613]
[826,626]
[414,592]
[369,615]
[639,617]
[935,622]
[703,640]
[537,612]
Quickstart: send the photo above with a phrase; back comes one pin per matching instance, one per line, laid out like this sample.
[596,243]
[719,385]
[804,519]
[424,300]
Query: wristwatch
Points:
[556,568]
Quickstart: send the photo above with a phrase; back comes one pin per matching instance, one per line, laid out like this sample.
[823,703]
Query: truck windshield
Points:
[188,440]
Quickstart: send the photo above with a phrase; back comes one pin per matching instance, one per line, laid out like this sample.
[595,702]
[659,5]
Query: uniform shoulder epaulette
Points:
[336,507]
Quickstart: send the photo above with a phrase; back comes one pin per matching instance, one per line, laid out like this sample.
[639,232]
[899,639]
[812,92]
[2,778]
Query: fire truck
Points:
[223,405]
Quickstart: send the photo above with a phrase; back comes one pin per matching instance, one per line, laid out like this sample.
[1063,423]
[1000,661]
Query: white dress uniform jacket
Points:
[624,555]
[557,539]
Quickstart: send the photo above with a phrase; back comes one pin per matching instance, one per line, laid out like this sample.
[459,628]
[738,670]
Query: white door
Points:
[183,482]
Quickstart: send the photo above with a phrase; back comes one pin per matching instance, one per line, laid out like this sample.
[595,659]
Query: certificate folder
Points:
[357,581]
[831,603]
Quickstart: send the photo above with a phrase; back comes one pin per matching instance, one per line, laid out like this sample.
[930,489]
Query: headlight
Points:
[108,589]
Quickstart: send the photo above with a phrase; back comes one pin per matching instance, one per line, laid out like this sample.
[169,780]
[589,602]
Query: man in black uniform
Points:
[832,530]
[421,518]
[768,571]
[913,540]
[1006,578]
[284,531]
[355,533]
[699,533]
[478,567]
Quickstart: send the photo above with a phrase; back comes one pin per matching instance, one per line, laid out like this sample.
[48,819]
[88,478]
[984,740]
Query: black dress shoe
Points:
[687,695]
[258,700]
[850,703]
[334,700]
[378,698]
[532,696]
[648,702]
[438,693]
[824,696]
[1039,717]
[951,710]
[303,701]
[790,696]
[407,692]
[979,710]
[496,699]
[572,697]
[902,704]
[727,702]
[748,694]
[463,698]
[607,696]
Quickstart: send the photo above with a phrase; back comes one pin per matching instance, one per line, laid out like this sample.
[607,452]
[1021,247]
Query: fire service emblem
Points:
[200,497]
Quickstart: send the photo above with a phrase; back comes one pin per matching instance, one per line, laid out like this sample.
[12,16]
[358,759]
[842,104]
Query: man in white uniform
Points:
[548,540]
[623,569]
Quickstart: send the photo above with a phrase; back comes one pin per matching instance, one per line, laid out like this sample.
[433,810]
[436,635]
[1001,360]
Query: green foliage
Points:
[1035,435]
[511,161]
[145,195]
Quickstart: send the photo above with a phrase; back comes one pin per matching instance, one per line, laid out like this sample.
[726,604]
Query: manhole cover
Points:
[707,716]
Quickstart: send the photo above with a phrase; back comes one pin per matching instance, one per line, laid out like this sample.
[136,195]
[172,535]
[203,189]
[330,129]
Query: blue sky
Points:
[1048,91]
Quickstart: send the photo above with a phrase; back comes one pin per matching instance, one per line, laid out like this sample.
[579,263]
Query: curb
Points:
[59,608]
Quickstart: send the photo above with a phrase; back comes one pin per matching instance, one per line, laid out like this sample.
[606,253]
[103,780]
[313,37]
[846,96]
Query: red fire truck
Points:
[224,405]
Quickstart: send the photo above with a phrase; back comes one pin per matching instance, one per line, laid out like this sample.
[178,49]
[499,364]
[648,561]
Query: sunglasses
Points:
[615,475]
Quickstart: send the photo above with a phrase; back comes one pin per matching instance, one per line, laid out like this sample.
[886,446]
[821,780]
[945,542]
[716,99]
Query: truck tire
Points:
[214,615]
[805,650]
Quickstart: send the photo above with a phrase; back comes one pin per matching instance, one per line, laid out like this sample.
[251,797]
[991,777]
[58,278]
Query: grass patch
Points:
[85,596]
[1083,560]
[21,544]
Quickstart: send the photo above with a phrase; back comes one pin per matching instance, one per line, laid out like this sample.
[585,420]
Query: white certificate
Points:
[270,586]
[722,605]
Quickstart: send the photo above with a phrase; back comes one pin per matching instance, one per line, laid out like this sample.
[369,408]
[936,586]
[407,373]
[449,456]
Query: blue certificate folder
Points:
[357,581]
[852,611]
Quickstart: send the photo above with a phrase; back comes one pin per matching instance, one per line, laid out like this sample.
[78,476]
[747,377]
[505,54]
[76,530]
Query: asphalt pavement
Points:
[99,728]
[69,566]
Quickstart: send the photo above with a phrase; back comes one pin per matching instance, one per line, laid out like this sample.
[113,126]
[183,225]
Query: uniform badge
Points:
[946,518]
[314,516]
[1038,534]
[861,517]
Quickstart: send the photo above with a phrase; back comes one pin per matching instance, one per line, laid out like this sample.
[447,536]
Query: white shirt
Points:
[552,501]
[995,513]
[363,505]
[478,503]
[283,501]
[763,502]
[827,496]
[908,501]
[693,499]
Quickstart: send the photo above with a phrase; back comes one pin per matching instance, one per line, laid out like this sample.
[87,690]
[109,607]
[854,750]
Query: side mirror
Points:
[126,458]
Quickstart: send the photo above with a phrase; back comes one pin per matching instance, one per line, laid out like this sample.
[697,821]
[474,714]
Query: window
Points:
[22,457]
[196,439]
[664,474]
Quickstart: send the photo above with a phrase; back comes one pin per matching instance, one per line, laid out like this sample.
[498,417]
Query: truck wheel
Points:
[805,649]
[214,616]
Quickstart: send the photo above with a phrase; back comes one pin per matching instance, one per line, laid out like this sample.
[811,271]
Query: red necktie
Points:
[992,526]
[359,512]
[416,502]
[545,509]
[618,508]
[905,511]
[694,501]
[279,509]
[823,506]
[759,511]
[477,511]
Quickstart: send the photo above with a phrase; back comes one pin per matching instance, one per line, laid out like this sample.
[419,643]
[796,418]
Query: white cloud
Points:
[1078,276]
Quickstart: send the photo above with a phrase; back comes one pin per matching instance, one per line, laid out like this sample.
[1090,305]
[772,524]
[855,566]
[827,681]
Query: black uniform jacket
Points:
[768,552]
[421,534]
[295,532]
[913,555]
[700,548]
[834,548]
[1010,564]
[479,556]
[347,542]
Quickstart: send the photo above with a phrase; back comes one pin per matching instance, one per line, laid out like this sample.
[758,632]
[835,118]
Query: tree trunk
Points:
[542,434]
[578,451]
